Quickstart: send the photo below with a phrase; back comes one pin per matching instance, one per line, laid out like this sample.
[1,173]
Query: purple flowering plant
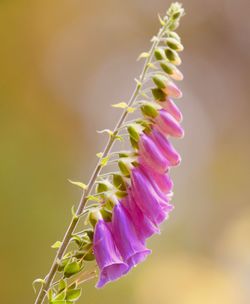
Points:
[122,208]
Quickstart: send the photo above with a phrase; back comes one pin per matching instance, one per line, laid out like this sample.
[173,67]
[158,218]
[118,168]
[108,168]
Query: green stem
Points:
[66,239]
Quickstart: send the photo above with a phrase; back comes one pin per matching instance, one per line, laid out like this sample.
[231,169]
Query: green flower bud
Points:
[133,132]
[160,81]
[149,110]
[159,54]
[71,269]
[174,44]
[159,94]
[173,56]
[171,70]
[167,68]
[175,36]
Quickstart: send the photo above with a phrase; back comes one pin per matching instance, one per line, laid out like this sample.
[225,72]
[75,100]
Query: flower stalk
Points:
[117,204]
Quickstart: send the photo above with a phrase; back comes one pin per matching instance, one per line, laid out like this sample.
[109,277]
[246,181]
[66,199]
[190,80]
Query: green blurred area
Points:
[62,64]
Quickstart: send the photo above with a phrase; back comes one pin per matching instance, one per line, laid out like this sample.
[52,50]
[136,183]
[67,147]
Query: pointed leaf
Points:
[79,184]
[73,294]
[143,55]
[38,281]
[121,105]
[56,245]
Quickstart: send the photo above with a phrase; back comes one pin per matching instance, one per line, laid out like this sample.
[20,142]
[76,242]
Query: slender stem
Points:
[66,239]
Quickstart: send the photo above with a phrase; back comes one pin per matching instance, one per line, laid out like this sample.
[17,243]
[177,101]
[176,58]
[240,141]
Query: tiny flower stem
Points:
[67,236]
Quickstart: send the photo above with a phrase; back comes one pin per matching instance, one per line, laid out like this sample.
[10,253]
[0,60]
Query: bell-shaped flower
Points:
[129,244]
[166,147]
[161,182]
[151,155]
[108,257]
[149,201]
[166,123]
[144,227]
[172,109]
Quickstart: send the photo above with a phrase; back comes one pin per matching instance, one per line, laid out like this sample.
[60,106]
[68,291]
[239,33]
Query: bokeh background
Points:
[62,64]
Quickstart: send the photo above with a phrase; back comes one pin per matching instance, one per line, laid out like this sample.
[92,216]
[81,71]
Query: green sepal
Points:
[149,110]
[175,36]
[73,294]
[119,182]
[124,168]
[159,54]
[59,297]
[174,44]
[159,94]
[160,81]
[71,269]
[167,68]
[173,56]
[134,143]
[56,245]
[62,285]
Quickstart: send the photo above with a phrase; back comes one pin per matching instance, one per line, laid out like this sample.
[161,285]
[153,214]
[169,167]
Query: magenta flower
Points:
[151,155]
[168,125]
[143,226]
[153,206]
[166,148]
[162,183]
[108,257]
[172,109]
[129,244]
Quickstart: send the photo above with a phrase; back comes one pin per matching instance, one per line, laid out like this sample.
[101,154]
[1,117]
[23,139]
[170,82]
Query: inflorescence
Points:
[128,205]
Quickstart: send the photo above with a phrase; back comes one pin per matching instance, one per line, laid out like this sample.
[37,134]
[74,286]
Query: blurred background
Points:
[62,64]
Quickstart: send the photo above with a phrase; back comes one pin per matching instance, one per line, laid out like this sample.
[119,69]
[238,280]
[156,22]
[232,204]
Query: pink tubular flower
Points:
[130,246]
[108,258]
[166,147]
[168,125]
[153,206]
[144,227]
[172,90]
[172,109]
[151,155]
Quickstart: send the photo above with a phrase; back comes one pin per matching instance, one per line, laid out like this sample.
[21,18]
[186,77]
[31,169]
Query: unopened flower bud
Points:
[159,54]
[134,131]
[160,81]
[174,44]
[173,56]
[149,110]
[172,90]
[175,36]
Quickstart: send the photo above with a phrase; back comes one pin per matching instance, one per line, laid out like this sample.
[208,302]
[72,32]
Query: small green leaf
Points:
[162,22]
[121,105]
[71,269]
[104,161]
[138,82]
[99,155]
[94,198]
[110,133]
[56,245]
[62,285]
[38,281]
[131,109]
[59,297]
[79,184]
[143,55]
[73,294]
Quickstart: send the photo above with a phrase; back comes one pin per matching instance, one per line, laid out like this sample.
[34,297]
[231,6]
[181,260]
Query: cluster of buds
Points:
[137,198]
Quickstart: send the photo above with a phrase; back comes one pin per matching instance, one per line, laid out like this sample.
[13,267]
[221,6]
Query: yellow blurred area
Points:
[62,64]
